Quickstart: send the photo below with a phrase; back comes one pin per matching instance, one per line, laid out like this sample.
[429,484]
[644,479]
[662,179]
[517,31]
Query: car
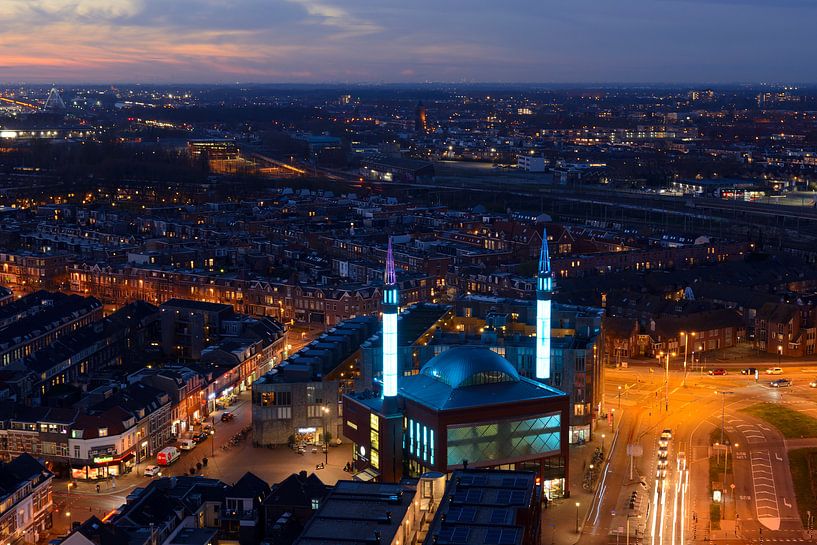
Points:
[153,471]
[781,383]
[812,384]
[201,436]
[662,463]
[662,452]
[663,441]
[720,371]
[667,433]
[226,417]
[748,371]
[661,473]
[774,371]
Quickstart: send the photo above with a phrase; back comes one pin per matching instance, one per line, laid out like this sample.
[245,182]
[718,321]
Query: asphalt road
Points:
[674,509]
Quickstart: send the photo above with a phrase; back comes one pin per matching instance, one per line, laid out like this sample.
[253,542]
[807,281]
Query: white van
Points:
[187,444]
[167,456]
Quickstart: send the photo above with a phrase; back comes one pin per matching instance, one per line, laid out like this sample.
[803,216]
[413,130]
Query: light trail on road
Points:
[654,513]
[675,510]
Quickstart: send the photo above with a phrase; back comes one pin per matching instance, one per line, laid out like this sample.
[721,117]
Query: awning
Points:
[367,475]
[114,461]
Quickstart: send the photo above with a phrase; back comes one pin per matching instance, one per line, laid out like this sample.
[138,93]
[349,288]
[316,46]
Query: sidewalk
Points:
[559,519]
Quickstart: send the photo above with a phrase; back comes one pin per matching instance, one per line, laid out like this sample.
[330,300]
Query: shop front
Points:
[225,398]
[579,434]
[309,436]
[103,465]
[554,488]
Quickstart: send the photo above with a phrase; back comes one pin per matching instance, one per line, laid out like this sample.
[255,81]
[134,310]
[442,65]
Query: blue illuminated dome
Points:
[470,366]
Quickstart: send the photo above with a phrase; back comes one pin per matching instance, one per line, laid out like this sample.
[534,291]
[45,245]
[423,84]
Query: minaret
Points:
[389,307]
[544,288]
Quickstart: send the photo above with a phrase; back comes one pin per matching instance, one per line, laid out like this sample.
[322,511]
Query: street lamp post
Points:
[666,384]
[723,411]
[213,438]
[779,353]
[612,420]
[325,411]
[686,347]
[577,517]
[602,442]
[619,397]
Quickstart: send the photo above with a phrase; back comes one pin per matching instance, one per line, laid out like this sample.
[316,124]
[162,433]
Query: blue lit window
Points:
[425,443]
[417,426]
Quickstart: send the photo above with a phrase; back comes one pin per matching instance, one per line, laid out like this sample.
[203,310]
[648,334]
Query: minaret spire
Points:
[389,278]
[389,307]
[544,289]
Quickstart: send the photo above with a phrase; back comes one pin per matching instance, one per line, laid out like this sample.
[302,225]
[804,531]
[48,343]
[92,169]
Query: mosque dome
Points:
[470,366]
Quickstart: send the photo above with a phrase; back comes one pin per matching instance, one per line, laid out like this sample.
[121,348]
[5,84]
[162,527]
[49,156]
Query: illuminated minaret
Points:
[389,307]
[544,287]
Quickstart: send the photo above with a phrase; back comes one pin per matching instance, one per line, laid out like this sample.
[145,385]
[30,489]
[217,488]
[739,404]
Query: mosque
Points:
[467,407]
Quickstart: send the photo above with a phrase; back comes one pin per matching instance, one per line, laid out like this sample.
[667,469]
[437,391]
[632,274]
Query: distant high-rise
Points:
[420,118]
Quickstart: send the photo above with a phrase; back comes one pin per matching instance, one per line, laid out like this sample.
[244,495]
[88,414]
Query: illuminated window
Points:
[375,459]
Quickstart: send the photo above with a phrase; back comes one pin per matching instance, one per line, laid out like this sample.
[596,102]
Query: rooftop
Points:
[360,513]
[484,507]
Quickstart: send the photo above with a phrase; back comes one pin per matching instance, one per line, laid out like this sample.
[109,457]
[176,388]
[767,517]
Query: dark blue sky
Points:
[219,41]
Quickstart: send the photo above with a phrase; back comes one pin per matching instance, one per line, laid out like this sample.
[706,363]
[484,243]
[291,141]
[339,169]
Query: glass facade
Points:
[504,440]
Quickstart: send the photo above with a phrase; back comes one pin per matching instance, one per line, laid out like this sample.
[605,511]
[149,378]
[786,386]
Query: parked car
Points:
[781,383]
[717,372]
[226,417]
[774,371]
[748,371]
[153,471]
[201,436]
[187,444]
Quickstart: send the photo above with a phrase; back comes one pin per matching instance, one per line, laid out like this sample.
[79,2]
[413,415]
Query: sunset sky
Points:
[219,41]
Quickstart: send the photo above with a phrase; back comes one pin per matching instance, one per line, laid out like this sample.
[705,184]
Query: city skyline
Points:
[307,41]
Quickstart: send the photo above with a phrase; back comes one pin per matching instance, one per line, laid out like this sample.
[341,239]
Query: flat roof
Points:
[482,507]
[353,511]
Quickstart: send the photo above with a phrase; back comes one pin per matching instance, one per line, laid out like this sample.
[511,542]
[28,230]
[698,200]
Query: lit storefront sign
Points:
[307,430]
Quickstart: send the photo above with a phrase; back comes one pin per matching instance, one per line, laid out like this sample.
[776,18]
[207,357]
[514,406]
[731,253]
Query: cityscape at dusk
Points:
[311,272]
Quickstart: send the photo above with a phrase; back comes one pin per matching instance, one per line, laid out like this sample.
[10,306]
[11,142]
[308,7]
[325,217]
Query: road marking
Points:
[766,506]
